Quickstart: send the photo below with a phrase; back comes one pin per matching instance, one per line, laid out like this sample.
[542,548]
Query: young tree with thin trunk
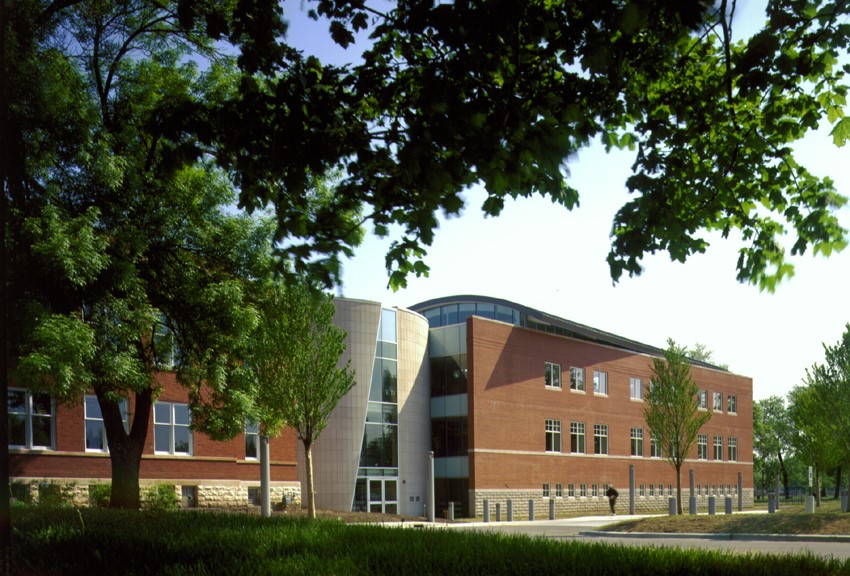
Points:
[672,409]
[811,435]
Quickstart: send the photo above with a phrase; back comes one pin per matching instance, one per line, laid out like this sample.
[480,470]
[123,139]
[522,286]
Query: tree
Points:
[811,435]
[772,440]
[831,384]
[295,353]
[672,409]
[703,354]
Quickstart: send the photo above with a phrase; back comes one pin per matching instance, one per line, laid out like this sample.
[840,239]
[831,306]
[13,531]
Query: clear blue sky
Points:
[541,255]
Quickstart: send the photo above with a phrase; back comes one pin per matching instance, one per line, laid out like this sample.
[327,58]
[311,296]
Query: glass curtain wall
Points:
[376,489]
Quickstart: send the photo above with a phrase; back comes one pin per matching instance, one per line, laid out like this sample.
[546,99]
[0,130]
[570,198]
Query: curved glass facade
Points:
[457,313]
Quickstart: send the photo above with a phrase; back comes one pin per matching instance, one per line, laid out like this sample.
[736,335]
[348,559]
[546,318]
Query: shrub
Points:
[55,495]
[21,493]
[100,495]
[161,497]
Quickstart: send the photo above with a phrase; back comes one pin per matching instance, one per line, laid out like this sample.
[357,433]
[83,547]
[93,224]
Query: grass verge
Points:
[94,541]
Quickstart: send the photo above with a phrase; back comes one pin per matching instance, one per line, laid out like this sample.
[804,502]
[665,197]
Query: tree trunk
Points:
[817,486]
[785,482]
[125,449]
[308,457]
[837,483]
[679,489]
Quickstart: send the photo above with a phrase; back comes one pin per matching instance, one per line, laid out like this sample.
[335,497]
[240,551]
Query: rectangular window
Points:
[635,388]
[252,440]
[732,404]
[718,402]
[600,382]
[654,447]
[577,379]
[571,490]
[699,489]
[559,490]
[642,490]
[600,439]
[702,446]
[171,428]
[30,422]
[718,447]
[546,490]
[702,397]
[594,490]
[582,490]
[553,435]
[552,375]
[637,441]
[95,430]
[661,489]
[577,438]
[732,445]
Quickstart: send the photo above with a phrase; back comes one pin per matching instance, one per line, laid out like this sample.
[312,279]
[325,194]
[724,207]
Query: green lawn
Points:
[97,541]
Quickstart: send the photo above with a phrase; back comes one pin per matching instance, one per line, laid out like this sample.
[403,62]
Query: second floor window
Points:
[577,437]
[654,447]
[600,439]
[171,431]
[702,397]
[577,379]
[637,441]
[732,445]
[553,435]
[717,404]
[636,389]
[702,446]
[718,447]
[552,375]
[600,382]
[732,404]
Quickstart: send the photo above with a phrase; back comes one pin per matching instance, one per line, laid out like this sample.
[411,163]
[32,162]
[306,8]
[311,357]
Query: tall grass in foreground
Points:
[94,541]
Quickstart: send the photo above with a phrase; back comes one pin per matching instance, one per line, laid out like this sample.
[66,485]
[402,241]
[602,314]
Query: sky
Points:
[541,255]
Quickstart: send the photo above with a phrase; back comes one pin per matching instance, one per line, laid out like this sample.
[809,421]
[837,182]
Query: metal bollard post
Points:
[486,509]
[451,511]
[712,505]
[531,510]
[728,504]
[771,504]
[551,509]
[498,512]
[672,509]
[510,510]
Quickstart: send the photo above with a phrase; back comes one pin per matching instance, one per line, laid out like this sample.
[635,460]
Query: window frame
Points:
[559,490]
[717,402]
[123,406]
[732,404]
[600,383]
[249,431]
[636,388]
[732,448]
[554,431]
[172,424]
[655,447]
[578,438]
[702,399]
[636,442]
[718,448]
[702,446]
[546,490]
[577,379]
[28,414]
[550,380]
[600,432]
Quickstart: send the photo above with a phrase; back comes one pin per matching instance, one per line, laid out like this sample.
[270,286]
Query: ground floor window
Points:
[171,431]
[30,423]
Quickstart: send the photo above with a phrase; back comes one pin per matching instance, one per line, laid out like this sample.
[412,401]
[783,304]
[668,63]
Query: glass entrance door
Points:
[383,495]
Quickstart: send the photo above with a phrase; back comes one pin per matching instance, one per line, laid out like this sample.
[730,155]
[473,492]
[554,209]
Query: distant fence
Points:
[794,494]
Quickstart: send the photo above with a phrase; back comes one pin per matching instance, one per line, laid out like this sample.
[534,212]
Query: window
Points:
[635,389]
[718,402]
[637,441]
[600,382]
[702,396]
[553,435]
[732,446]
[552,375]
[654,447]
[571,490]
[546,490]
[559,490]
[582,490]
[718,447]
[642,490]
[600,439]
[577,437]
[252,440]
[577,379]
[171,428]
[30,419]
[732,404]
[661,489]
[95,430]
[594,490]
[702,446]
[699,489]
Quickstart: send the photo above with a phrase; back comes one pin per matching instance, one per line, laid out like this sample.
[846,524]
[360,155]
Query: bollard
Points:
[692,500]
[671,506]
[771,504]
[531,510]
[844,500]
[498,512]
[451,511]
[712,505]
[551,509]
[810,504]
[510,510]
[486,509]
[740,491]
[728,504]
[632,489]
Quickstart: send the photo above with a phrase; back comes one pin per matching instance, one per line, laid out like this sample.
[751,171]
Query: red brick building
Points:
[66,444]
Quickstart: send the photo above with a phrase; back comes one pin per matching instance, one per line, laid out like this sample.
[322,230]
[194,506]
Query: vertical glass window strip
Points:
[732,404]
[702,399]
[635,388]
[717,405]
[552,375]
[577,379]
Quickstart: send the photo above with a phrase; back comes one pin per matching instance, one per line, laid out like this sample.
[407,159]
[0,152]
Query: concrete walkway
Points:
[582,529]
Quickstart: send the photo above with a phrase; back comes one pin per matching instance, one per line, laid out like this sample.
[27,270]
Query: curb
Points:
[721,536]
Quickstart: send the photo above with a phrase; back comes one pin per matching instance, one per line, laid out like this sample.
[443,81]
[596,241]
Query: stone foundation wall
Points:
[207,494]
[590,505]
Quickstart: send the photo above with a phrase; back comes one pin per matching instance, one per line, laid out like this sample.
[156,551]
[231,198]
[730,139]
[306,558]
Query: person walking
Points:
[612,499]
